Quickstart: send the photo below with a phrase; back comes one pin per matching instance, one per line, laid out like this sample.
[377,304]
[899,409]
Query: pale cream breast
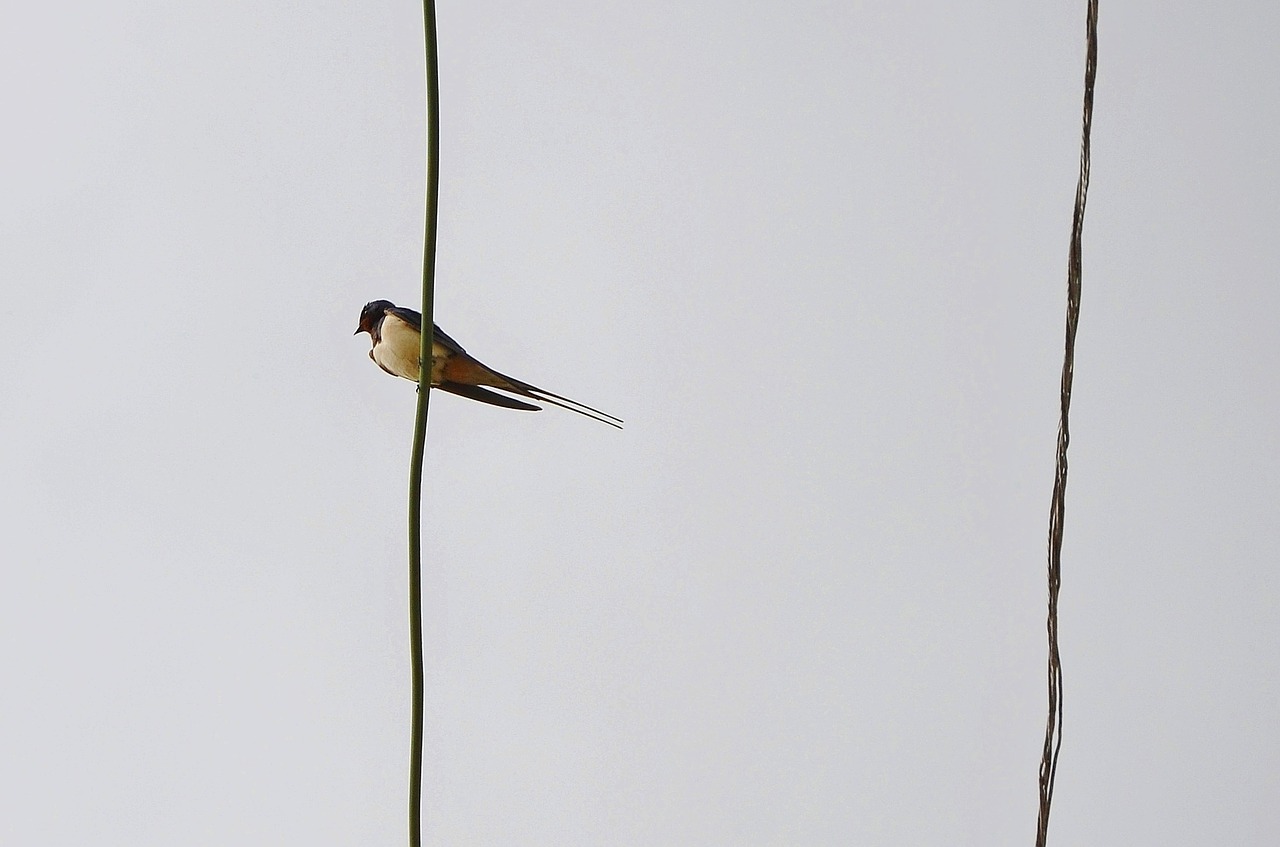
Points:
[398,350]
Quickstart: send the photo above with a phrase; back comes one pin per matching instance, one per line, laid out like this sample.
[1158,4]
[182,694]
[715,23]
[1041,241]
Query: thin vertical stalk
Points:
[420,423]
[1058,506]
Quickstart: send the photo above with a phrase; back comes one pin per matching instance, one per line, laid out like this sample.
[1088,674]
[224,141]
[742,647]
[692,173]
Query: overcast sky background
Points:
[813,253]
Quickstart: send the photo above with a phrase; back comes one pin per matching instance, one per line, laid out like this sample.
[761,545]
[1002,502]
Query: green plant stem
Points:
[420,422]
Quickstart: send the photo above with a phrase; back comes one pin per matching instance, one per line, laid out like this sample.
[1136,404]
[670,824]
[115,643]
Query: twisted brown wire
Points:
[1053,726]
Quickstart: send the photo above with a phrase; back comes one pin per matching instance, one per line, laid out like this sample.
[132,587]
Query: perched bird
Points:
[397,340]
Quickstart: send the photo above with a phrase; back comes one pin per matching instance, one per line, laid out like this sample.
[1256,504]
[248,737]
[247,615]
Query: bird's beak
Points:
[358,331]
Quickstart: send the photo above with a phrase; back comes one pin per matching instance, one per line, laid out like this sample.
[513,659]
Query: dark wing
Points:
[414,319]
[475,392]
[542,395]
[442,338]
[409,316]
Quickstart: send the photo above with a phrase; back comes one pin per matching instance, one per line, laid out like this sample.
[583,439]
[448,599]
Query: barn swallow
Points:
[397,340]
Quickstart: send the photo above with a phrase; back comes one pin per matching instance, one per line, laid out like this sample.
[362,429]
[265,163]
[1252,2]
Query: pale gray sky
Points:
[813,253]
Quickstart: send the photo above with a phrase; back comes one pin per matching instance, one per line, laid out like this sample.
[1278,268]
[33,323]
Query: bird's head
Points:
[371,314]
